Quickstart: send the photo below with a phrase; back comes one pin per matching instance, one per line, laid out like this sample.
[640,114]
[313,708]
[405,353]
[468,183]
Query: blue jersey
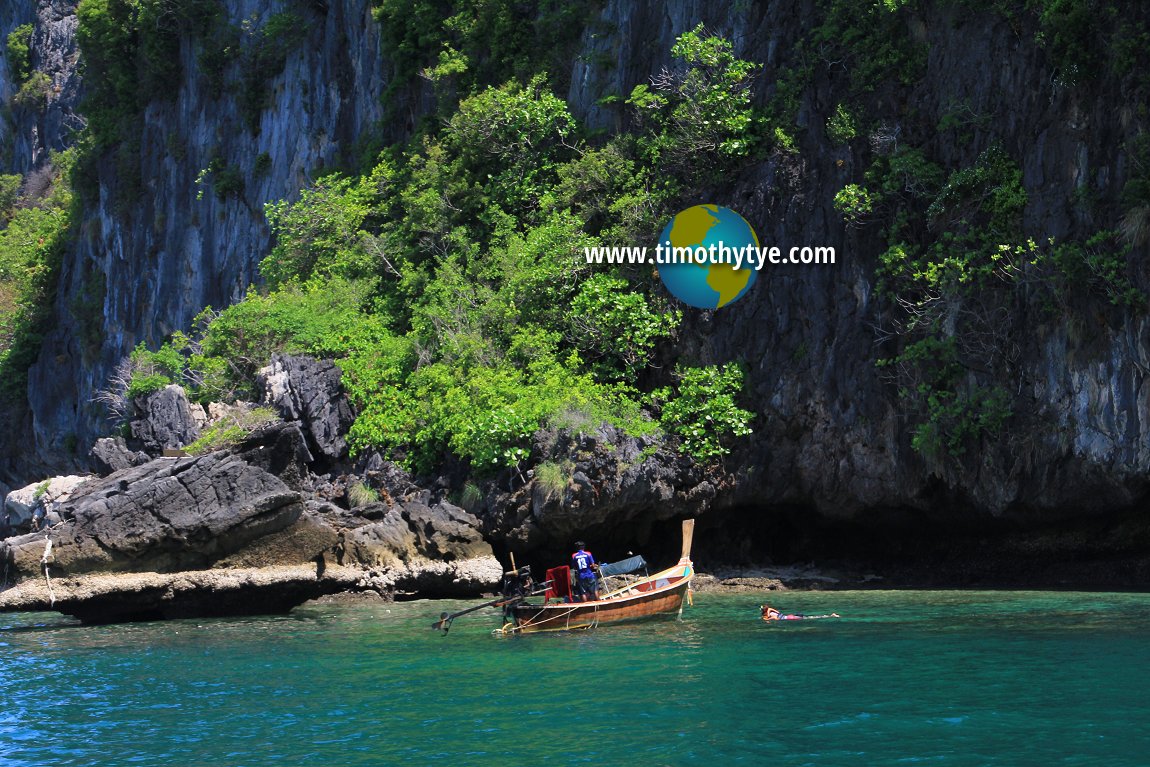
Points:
[581,562]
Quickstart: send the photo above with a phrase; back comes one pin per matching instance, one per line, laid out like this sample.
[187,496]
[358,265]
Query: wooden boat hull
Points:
[660,594]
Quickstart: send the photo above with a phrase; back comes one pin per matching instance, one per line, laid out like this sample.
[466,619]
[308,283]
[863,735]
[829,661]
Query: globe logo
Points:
[699,269]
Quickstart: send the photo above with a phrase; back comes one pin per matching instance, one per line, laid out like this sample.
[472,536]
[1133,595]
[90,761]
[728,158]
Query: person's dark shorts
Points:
[585,587]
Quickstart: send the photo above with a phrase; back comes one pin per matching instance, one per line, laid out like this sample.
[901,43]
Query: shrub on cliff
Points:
[701,409]
[34,230]
[20,53]
[449,281]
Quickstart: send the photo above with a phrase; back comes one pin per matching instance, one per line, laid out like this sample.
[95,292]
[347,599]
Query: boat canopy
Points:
[623,566]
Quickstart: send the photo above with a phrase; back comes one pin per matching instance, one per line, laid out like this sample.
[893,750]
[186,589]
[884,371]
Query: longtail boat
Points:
[647,596]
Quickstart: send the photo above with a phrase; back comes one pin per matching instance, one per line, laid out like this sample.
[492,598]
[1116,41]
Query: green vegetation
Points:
[552,478]
[854,203]
[950,284]
[34,229]
[34,93]
[264,52]
[467,44]
[20,53]
[1135,225]
[702,411]
[871,41]
[131,52]
[152,371]
[226,180]
[704,108]
[231,429]
[449,283]
[842,125]
[360,494]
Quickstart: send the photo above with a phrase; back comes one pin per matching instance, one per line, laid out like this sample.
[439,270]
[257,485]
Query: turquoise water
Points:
[936,678]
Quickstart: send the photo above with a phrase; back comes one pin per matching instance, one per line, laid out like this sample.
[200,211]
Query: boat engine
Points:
[517,585]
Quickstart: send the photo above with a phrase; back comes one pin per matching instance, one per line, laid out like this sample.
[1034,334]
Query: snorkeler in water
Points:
[771,614]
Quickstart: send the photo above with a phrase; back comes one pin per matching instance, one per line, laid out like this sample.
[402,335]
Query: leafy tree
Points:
[702,410]
[20,53]
[704,107]
[32,241]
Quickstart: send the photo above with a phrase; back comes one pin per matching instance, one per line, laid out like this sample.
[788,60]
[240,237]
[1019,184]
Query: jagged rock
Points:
[279,449]
[111,454]
[217,535]
[434,550]
[608,482]
[310,391]
[40,501]
[166,419]
[167,515]
[412,531]
[388,476]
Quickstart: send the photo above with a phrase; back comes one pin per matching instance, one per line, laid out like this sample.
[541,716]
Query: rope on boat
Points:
[514,629]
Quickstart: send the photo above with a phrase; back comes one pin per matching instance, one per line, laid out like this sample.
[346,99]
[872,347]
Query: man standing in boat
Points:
[584,567]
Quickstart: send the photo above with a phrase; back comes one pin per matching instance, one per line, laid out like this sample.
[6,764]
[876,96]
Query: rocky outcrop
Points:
[601,482]
[111,454]
[165,419]
[218,533]
[169,514]
[39,505]
[180,244]
[309,391]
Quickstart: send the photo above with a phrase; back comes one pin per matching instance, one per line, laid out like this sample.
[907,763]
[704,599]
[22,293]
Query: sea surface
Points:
[926,677]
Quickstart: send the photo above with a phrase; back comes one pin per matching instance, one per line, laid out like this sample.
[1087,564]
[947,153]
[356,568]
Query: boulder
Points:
[166,419]
[219,534]
[601,480]
[310,391]
[40,501]
[111,454]
[280,449]
[166,515]
[413,531]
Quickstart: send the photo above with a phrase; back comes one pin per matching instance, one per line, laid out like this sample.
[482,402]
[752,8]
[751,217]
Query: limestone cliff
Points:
[831,435]
[176,246]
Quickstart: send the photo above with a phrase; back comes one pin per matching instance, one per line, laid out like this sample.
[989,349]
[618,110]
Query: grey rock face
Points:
[178,249]
[166,419]
[32,133]
[309,391]
[39,504]
[169,514]
[412,531]
[609,481]
[433,550]
[111,454]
